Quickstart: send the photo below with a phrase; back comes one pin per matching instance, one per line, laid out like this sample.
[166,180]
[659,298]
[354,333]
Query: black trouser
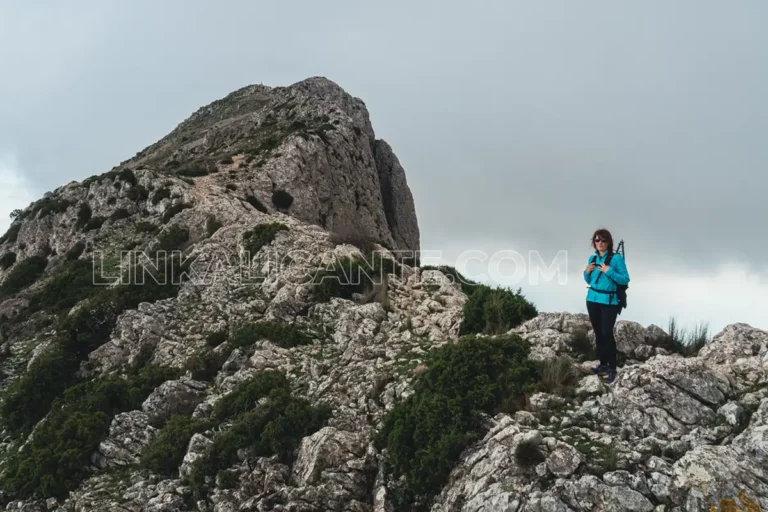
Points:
[603,318]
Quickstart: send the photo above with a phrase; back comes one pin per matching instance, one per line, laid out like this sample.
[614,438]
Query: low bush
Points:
[173,238]
[425,434]
[495,311]
[285,336]
[282,199]
[56,459]
[29,398]
[468,286]
[260,236]
[253,201]
[244,397]
[12,234]
[160,194]
[93,223]
[7,260]
[206,363]
[528,455]
[165,453]
[23,274]
[51,205]
[120,213]
[137,193]
[76,251]
[146,227]
[348,276]
[127,176]
[216,338]
[212,225]
[174,210]
[84,214]
[266,420]
[72,283]
[558,376]
[581,346]
[193,171]
[685,342]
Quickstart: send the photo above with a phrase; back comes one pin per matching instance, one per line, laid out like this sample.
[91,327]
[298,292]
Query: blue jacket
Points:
[617,272]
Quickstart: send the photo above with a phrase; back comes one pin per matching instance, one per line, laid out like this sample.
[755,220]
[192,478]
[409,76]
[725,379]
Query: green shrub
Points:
[84,214]
[56,459]
[127,176]
[684,342]
[282,199]
[212,225]
[206,363]
[93,223]
[260,236]
[244,397]
[12,234]
[285,336]
[137,193]
[528,455]
[25,273]
[160,194]
[120,213]
[173,238]
[28,398]
[165,453]
[226,479]
[214,339]
[468,286]
[72,283]
[193,171]
[274,427]
[495,311]
[76,250]
[50,205]
[355,236]
[348,276]
[581,346]
[146,227]
[558,376]
[426,433]
[231,186]
[226,160]
[253,201]
[7,260]
[174,210]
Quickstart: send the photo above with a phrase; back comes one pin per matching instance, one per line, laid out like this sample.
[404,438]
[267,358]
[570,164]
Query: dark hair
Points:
[605,235]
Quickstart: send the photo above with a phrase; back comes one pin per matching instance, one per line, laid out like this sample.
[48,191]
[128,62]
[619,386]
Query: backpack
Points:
[621,289]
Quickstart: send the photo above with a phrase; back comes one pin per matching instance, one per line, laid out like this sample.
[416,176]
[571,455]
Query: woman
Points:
[602,300]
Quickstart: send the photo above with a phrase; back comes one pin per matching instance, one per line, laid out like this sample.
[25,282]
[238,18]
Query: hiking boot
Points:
[611,377]
[600,369]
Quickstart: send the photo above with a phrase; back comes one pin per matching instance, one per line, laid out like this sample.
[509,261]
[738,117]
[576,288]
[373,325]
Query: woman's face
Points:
[601,244]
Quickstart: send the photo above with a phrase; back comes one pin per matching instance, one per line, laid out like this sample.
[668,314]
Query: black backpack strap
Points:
[606,262]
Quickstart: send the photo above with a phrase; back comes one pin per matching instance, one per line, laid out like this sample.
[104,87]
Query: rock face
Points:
[671,434]
[308,150]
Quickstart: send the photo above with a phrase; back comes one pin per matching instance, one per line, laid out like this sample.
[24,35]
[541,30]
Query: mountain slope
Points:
[226,362]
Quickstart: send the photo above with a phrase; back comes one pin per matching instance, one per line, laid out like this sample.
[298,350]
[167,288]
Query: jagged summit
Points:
[307,150]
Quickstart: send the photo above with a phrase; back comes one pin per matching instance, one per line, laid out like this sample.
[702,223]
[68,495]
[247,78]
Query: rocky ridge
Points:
[672,434]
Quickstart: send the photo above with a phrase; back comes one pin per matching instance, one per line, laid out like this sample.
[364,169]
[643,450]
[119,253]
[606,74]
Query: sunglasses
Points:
[600,240]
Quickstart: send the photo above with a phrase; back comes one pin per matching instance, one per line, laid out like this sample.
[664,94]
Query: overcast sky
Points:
[521,125]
